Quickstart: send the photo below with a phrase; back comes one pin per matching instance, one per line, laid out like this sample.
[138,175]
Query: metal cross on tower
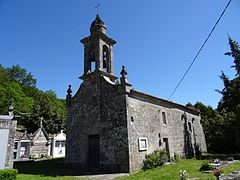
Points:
[97,7]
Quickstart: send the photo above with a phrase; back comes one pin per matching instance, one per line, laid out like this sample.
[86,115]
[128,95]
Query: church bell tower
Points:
[98,49]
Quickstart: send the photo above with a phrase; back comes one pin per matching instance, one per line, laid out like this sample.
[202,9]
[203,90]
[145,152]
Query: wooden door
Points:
[94,152]
[165,140]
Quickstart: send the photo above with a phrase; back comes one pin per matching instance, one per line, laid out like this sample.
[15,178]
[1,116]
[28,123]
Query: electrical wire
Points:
[199,51]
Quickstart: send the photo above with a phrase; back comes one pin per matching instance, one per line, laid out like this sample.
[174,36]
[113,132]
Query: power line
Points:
[199,51]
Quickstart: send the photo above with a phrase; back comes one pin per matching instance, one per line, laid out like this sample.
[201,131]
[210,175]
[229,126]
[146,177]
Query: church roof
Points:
[157,100]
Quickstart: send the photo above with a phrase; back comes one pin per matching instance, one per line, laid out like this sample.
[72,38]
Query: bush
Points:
[206,166]
[8,174]
[157,158]
[177,157]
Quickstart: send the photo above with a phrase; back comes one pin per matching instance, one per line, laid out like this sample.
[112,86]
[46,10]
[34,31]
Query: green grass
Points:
[171,172]
[55,169]
[46,170]
[232,167]
[38,177]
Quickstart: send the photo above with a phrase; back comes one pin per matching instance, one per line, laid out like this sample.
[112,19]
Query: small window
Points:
[190,126]
[15,155]
[57,144]
[193,120]
[16,145]
[132,119]
[164,119]
[60,144]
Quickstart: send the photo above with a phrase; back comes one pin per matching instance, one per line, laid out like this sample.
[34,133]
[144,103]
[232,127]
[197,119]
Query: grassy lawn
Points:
[46,170]
[55,169]
[38,177]
[171,172]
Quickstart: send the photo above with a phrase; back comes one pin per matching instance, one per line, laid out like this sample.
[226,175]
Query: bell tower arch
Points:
[98,49]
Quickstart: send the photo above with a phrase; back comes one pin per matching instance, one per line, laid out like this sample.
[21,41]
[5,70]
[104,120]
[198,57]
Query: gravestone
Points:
[7,132]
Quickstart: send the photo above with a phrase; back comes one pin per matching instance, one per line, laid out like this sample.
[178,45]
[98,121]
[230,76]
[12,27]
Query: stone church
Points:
[111,127]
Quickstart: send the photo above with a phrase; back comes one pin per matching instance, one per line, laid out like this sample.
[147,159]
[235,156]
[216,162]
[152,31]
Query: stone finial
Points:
[10,108]
[69,91]
[124,73]
[124,80]
[69,96]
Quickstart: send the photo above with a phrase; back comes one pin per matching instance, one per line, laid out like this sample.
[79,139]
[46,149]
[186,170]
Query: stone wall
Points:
[120,117]
[11,126]
[83,120]
[114,137]
[145,120]
[98,108]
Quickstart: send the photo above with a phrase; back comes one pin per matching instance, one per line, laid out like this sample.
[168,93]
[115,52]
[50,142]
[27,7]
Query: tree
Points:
[230,101]
[12,90]
[30,103]
[237,132]
[230,94]
[235,53]
[16,73]
[51,109]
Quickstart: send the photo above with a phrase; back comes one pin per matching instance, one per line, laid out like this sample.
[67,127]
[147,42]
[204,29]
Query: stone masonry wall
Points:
[98,108]
[83,120]
[120,118]
[114,137]
[145,120]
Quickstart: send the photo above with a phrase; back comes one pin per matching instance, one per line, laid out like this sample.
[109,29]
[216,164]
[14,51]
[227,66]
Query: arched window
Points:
[105,57]
[92,58]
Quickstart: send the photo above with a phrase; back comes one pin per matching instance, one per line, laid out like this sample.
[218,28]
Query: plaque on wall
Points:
[142,144]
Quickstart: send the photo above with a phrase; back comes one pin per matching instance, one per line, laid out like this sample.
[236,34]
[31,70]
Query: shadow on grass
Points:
[51,167]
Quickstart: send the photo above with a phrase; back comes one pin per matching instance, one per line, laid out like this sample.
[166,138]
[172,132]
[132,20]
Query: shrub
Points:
[177,157]
[157,158]
[206,166]
[8,174]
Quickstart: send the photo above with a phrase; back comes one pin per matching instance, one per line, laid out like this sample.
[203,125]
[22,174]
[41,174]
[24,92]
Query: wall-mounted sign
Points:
[142,144]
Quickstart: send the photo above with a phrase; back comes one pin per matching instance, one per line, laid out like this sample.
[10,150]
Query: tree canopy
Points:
[30,103]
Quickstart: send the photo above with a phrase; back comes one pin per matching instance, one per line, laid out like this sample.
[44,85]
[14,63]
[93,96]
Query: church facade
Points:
[111,127]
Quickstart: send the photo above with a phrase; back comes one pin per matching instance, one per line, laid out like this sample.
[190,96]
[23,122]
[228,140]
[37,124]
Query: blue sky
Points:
[156,41]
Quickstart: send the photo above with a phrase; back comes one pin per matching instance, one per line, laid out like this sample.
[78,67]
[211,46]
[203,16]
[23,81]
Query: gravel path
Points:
[105,176]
